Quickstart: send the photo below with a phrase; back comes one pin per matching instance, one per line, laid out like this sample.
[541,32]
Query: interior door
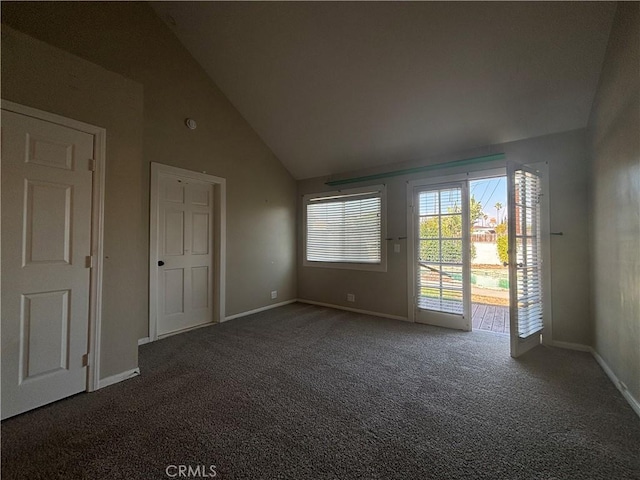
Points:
[185,257]
[527,309]
[46,235]
[442,255]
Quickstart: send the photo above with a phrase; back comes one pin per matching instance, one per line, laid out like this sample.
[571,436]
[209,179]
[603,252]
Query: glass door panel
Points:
[442,255]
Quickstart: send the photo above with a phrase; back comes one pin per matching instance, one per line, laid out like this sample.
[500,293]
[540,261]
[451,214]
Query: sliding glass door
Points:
[441,255]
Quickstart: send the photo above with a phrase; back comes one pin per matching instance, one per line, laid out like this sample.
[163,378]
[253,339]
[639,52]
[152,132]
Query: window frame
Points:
[375,267]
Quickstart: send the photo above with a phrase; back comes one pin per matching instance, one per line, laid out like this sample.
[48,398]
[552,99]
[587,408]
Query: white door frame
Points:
[494,170]
[219,241]
[97,228]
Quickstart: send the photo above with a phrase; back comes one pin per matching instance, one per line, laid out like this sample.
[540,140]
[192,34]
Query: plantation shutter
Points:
[528,253]
[344,228]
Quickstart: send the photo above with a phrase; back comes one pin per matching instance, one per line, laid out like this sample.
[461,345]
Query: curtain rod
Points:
[426,168]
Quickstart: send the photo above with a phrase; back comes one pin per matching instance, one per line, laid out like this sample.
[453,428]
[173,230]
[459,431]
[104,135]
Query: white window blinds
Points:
[528,253]
[345,228]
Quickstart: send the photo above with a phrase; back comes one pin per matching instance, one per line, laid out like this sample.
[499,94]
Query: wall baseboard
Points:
[142,341]
[261,309]
[356,310]
[119,377]
[633,402]
[185,330]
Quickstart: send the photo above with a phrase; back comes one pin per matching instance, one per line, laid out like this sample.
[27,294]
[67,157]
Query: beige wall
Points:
[127,38]
[615,201]
[386,292]
[44,77]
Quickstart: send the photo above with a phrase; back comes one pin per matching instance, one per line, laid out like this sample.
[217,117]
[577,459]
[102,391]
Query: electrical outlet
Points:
[351,297]
[274,294]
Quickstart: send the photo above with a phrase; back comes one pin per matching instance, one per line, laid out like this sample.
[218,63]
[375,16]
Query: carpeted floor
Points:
[304,392]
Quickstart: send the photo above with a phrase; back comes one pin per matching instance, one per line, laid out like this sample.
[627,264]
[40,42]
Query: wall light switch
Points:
[396,248]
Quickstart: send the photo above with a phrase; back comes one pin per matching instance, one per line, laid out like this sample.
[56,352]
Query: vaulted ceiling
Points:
[333,87]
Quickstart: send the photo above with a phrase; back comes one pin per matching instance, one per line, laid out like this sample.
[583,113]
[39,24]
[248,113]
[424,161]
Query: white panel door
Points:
[185,256]
[441,257]
[46,238]
[526,262]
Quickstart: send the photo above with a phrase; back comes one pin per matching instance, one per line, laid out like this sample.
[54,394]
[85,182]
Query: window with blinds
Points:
[345,229]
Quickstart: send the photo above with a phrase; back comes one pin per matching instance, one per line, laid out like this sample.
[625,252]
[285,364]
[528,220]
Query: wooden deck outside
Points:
[490,318]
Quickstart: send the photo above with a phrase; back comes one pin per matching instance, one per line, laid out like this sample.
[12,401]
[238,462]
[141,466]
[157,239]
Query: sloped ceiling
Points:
[334,87]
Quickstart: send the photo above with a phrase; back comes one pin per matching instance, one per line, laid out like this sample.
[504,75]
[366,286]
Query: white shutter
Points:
[528,251]
[344,228]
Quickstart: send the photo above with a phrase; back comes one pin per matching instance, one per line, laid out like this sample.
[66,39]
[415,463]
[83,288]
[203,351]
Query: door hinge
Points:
[89,261]
[85,359]
[92,165]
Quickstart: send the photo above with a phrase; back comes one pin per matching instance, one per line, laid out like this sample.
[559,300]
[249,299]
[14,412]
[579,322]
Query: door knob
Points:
[160,263]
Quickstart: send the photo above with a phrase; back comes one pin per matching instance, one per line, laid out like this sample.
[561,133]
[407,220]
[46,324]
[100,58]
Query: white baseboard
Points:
[105,382]
[356,310]
[261,309]
[142,341]
[185,330]
[635,404]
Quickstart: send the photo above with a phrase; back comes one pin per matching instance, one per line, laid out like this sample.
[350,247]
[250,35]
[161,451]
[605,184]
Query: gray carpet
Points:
[304,392]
